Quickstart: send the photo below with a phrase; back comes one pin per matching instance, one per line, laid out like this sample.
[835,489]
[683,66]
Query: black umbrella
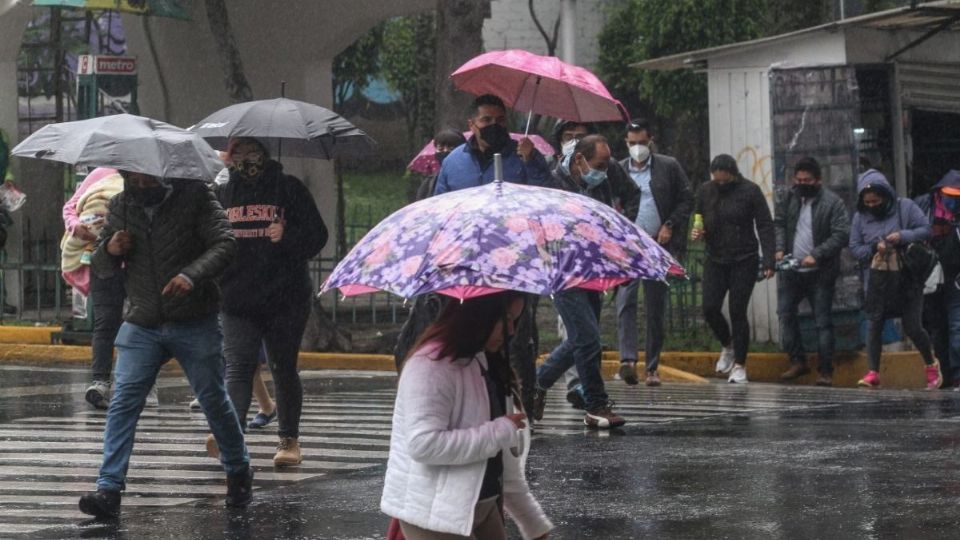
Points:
[300,129]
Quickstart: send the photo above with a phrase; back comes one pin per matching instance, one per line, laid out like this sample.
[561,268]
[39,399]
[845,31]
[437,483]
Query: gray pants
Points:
[654,308]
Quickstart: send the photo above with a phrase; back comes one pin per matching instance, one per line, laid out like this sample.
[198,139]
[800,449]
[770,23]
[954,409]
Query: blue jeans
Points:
[952,301]
[792,288]
[197,346]
[580,311]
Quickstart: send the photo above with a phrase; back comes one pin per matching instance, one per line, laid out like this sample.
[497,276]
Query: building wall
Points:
[739,101]
[511,27]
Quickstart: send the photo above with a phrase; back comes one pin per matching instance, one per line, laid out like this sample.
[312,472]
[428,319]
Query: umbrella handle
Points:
[526,130]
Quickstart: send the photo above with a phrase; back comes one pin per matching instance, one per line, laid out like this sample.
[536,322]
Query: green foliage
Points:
[356,65]
[409,72]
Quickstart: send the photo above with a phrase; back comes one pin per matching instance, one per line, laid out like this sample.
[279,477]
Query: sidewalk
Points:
[28,344]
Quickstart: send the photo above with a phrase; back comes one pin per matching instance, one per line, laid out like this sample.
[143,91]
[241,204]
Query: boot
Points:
[288,452]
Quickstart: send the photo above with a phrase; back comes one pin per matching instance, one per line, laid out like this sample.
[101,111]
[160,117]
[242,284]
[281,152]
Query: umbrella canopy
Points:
[500,236]
[162,8]
[125,142]
[539,84]
[297,128]
[424,162]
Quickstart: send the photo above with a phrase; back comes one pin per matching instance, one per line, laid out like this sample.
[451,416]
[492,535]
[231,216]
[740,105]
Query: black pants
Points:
[738,279]
[524,348]
[936,321]
[280,334]
[912,327]
[107,296]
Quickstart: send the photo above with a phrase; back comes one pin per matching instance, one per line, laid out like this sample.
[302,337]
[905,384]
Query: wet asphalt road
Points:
[717,461]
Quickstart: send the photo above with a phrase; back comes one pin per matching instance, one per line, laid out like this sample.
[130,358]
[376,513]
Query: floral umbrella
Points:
[500,236]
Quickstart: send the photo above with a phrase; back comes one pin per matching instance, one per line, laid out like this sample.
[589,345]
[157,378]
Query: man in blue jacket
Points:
[471,164]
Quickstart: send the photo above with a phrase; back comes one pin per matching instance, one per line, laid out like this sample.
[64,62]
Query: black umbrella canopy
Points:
[297,128]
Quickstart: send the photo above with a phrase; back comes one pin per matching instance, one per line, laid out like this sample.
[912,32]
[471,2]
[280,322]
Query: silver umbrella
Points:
[125,142]
[297,128]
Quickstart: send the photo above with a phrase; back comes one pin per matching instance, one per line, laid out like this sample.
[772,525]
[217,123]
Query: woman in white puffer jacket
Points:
[456,455]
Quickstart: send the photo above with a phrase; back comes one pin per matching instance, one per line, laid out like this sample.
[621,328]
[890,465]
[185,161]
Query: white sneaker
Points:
[738,375]
[152,399]
[195,405]
[725,362]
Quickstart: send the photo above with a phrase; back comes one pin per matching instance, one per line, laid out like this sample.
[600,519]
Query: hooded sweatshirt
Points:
[946,235]
[867,230]
[265,277]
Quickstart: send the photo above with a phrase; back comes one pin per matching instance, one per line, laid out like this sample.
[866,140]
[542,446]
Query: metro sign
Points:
[89,64]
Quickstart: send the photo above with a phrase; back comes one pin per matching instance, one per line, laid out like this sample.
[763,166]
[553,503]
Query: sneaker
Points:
[153,400]
[101,504]
[539,403]
[213,449]
[195,405]
[824,379]
[575,398]
[98,395]
[603,418]
[288,452]
[738,375]
[652,379]
[795,371]
[261,420]
[240,488]
[870,380]
[628,373]
[934,377]
[725,362]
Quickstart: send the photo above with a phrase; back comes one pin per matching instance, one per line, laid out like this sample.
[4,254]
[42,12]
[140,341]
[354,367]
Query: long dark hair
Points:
[462,330]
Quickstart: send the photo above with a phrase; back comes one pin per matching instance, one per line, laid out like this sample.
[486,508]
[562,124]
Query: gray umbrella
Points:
[298,129]
[125,142]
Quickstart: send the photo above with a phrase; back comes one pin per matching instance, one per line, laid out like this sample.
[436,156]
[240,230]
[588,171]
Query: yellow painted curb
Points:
[39,335]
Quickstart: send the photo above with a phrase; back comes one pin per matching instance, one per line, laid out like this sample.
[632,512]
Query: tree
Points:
[410,73]
[234,79]
[550,39]
[459,29]
[356,65]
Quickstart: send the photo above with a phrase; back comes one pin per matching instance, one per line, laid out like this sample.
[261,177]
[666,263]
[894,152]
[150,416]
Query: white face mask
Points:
[639,153]
[568,147]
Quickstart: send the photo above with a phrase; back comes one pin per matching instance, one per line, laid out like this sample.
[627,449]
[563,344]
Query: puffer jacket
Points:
[189,234]
[441,440]
[904,216]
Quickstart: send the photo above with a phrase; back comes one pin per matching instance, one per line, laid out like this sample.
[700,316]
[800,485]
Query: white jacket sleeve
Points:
[428,393]
[518,502]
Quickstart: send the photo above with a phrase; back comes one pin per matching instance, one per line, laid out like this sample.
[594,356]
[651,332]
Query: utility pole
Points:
[568,13]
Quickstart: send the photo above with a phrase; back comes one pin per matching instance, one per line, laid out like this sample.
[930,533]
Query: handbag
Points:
[919,259]
[887,287]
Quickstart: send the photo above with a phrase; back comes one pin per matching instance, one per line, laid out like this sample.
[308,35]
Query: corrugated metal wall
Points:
[739,103]
[931,87]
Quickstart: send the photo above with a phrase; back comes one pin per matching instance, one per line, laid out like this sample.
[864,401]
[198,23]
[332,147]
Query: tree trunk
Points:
[227,52]
[459,29]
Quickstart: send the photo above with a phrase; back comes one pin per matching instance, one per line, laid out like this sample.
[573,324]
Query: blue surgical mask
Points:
[593,177]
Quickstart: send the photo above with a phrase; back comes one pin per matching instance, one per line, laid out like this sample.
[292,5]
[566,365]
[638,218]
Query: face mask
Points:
[440,156]
[496,137]
[568,147]
[593,177]
[150,196]
[725,187]
[806,190]
[639,153]
[879,211]
[951,203]
[249,168]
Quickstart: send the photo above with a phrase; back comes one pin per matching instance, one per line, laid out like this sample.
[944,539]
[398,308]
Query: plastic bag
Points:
[79,310]
[11,198]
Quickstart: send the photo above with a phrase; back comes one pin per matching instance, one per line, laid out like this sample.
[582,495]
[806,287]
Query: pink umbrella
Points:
[539,84]
[424,163]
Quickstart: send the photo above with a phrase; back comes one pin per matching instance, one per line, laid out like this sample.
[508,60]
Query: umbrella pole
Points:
[526,130]
[283,94]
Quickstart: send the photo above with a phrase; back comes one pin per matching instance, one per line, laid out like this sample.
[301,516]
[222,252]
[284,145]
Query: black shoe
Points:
[539,403]
[575,398]
[240,489]
[628,373]
[102,504]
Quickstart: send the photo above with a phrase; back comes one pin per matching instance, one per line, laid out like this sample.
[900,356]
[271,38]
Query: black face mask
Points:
[150,196]
[496,137]
[725,187]
[807,191]
[879,211]
[440,156]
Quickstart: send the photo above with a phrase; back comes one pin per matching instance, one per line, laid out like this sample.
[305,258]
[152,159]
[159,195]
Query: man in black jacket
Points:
[171,240]
[812,227]
[584,171]
[666,201]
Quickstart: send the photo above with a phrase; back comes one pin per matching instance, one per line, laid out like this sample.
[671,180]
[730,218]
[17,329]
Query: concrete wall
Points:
[511,27]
